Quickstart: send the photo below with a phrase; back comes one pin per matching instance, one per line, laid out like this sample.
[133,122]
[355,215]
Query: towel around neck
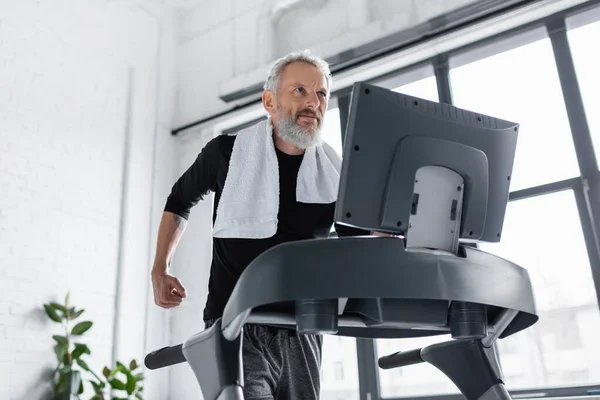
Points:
[249,203]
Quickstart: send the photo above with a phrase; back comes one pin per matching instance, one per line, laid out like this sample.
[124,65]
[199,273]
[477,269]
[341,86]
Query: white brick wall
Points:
[191,264]
[64,118]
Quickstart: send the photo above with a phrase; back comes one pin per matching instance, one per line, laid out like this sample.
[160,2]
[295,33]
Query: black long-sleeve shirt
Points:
[296,221]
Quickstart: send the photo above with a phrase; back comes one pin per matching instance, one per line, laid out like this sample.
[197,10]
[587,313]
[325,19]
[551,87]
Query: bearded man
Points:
[274,182]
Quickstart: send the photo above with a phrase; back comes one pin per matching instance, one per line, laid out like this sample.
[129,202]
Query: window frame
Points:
[586,187]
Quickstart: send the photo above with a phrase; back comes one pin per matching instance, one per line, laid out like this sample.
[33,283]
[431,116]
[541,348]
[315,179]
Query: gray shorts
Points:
[280,364]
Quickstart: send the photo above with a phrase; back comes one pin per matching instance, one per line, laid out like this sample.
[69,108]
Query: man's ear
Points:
[268,99]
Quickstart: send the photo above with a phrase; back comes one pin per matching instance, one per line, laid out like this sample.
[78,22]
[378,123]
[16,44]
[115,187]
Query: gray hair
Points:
[272,81]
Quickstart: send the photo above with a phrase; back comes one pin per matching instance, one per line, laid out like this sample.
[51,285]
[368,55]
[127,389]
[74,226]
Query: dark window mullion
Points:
[442,77]
[543,189]
[368,369]
[580,130]
[587,198]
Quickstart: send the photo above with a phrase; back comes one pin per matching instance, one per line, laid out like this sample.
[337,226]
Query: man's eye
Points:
[323,94]
[300,89]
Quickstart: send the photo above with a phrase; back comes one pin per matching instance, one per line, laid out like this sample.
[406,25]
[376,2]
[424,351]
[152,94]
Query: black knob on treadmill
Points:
[317,317]
[467,320]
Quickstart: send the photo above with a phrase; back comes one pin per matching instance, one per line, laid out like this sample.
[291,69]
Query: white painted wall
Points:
[191,264]
[77,80]
[229,44]
[164,167]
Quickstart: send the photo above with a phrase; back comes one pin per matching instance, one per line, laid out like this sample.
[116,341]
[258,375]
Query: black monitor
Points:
[423,168]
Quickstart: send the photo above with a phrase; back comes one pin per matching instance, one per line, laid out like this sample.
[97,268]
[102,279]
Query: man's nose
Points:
[313,101]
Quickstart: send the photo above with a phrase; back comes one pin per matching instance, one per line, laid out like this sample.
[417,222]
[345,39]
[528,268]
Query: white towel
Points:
[249,203]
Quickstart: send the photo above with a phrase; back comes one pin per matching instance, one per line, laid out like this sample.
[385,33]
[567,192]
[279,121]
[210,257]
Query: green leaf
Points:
[60,349]
[52,313]
[80,387]
[139,377]
[83,365]
[133,365]
[75,314]
[82,344]
[139,396]
[120,366]
[57,306]
[106,372]
[81,327]
[79,350]
[131,382]
[60,339]
[117,384]
[98,386]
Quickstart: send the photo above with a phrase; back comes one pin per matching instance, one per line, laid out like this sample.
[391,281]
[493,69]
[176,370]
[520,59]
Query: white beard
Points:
[300,137]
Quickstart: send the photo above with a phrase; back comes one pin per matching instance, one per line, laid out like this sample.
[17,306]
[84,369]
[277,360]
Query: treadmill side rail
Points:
[216,362]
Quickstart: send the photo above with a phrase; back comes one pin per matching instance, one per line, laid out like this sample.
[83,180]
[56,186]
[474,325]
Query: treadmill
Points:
[437,179]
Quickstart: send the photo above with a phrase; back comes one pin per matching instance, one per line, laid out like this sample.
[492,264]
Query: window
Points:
[544,236]
[419,82]
[415,380]
[332,135]
[583,41]
[339,369]
[425,88]
[521,85]
[332,130]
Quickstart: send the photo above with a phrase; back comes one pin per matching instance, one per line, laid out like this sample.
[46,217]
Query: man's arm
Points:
[199,179]
[168,290]
[170,231]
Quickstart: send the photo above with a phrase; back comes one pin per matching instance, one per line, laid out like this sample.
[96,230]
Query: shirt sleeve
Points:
[195,183]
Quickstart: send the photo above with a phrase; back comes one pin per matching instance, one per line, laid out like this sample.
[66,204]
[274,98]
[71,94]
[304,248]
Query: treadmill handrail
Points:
[376,267]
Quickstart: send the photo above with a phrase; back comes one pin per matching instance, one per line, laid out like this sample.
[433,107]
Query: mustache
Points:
[308,113]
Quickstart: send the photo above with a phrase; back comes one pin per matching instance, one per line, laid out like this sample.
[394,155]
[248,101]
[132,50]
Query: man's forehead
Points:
[304,73]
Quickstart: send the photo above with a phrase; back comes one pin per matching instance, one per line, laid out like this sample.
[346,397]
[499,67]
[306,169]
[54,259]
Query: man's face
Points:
[298,109]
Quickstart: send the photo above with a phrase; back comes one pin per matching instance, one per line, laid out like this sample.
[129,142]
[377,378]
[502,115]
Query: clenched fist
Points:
[168,290]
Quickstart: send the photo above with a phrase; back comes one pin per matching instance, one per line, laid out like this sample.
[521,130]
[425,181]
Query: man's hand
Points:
[374,233]
[168,290]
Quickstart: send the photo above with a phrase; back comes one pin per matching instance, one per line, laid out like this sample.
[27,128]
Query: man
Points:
[278,363]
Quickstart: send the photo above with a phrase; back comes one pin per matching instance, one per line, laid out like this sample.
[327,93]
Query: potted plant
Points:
[67,377]
[124,383]
[118,383]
